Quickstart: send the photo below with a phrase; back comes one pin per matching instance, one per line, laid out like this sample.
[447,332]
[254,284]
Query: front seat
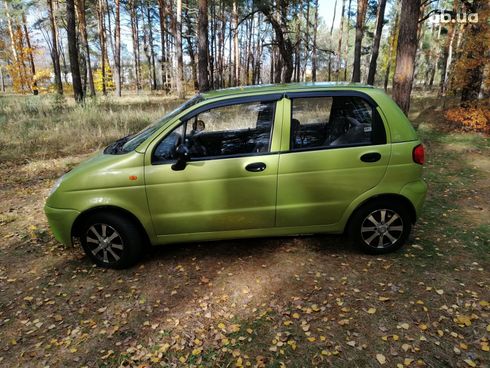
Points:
[296,140]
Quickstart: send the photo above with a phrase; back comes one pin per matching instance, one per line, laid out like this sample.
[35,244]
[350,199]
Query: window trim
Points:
[377,118]
[276,97]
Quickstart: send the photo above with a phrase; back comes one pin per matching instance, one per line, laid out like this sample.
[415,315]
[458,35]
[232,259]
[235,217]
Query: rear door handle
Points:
[371,157]
[256,167]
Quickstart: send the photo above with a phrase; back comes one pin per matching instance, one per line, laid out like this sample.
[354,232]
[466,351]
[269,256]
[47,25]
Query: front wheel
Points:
[111,241]
[380,227]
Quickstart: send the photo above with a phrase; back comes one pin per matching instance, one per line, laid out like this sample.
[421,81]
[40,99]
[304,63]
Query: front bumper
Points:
[61,221]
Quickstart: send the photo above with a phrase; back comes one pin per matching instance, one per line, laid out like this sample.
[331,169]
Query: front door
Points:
[335,151]
[229,183]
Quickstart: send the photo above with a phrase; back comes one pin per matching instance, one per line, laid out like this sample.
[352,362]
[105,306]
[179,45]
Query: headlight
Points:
[56,185]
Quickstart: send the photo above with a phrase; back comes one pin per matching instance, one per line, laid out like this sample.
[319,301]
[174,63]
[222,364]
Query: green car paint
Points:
[308,191]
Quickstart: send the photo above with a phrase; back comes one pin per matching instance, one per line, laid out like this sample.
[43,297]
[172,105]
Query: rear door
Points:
[334,148]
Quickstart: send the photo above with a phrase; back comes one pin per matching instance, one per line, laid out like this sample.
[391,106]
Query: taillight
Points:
[418,154]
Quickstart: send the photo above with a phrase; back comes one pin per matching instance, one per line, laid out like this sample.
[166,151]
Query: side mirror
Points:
[183,155]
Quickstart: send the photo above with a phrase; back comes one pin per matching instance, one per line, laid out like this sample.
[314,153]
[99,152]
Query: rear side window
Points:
[334,121]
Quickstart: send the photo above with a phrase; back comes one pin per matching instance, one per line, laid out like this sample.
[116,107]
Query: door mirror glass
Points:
[182,154]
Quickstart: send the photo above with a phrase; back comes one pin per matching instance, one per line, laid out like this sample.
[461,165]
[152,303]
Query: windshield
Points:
[130,142]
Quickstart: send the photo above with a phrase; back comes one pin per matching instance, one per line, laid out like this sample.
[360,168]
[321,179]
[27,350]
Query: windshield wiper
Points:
[116,146]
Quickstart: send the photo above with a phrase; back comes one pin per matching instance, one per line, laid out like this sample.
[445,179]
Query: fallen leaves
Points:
[463,320]
[404,326]
[381,359]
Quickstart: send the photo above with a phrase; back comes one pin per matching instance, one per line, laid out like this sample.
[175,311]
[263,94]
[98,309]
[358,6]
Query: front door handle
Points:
[371,157]
[256,167]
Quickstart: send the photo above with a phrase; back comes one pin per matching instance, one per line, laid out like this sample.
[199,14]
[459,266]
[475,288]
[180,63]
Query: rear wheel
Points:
[111,241]
[380,227]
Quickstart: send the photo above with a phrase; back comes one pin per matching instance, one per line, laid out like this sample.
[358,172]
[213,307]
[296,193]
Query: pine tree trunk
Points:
[162,14]
[178,52]
[273,58]
[249,51]
[146,47]
[405,53]
[297,61]
[231,68]
[34,88]
[346,54]
[392,49]
[221,47]
[84,39]
[101,29]
[330,43]
[314,56]
[152,50]
[258,54]
[278,19]
[24,74]
[190,46]
[212,47]
[341,32]
[307,41]
[54,50]
[71,31]
[16,46]
[2,79]
[361,15]
[377,39]
[476,52]
[236,51]
[11,31]
[203,47]
[136,45]
[117,48]
[447,54]
[65,68]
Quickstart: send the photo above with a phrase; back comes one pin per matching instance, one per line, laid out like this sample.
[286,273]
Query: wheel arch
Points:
[76,227]
[392,197]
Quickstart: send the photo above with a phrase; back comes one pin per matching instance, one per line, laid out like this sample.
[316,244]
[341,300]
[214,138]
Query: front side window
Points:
[333,121]
[224,131]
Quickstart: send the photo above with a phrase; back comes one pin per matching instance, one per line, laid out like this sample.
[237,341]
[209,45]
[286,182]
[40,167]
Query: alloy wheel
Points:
[382,228]
[105,243]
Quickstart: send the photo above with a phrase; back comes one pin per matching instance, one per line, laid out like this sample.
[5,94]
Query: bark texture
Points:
[405,53]
[361,16]
[73,50]
[203,57]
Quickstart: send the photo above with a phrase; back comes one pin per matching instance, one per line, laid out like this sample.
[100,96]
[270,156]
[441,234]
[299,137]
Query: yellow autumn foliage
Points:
[470,118]
[109,83]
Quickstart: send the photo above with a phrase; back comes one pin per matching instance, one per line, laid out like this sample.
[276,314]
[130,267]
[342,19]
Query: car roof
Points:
[282,88]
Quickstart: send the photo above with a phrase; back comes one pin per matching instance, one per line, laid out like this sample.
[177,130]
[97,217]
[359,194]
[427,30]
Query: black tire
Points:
[377,235]
[123,242]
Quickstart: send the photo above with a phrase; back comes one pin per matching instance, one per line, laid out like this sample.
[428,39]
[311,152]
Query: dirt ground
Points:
[294,302]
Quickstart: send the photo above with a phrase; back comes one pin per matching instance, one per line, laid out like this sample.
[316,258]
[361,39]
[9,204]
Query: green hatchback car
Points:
[249,162]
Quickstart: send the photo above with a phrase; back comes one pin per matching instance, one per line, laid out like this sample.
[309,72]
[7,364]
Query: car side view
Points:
[257,161]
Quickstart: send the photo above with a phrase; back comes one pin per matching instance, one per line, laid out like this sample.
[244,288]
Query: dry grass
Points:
[49,126]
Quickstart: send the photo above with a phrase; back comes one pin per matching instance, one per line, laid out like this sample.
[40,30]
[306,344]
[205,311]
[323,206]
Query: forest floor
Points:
[294,302]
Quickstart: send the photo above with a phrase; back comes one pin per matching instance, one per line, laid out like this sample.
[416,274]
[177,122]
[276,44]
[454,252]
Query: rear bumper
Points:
[61,221]
[415,191]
